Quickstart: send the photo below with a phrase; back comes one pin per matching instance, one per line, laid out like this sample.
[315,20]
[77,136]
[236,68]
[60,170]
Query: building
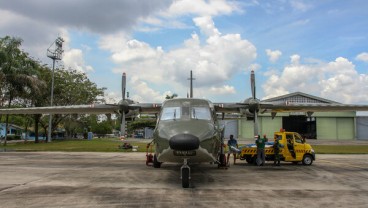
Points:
[318,125]
[12,129]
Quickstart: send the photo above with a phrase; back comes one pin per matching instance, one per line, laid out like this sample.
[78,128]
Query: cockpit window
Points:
[200,113]
[171,113]
[185,112]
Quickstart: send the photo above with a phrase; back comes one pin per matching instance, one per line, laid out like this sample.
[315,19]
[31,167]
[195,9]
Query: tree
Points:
[17,73]
[171,96]
[72,88]
[25,82]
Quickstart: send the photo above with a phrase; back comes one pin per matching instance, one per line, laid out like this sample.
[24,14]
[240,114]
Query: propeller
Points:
[254,103]
[123,105]
[123,85]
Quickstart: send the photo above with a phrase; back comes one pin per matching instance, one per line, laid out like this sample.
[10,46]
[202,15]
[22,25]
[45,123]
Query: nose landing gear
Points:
[185,174]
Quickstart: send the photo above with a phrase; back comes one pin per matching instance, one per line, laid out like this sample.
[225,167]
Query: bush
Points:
[13,137]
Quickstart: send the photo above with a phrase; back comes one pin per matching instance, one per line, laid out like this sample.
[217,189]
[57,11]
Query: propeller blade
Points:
[123,85]
[122,125]
[253,84]
[256,132]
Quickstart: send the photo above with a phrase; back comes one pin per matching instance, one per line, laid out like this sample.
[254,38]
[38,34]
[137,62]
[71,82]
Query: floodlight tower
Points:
[54,52]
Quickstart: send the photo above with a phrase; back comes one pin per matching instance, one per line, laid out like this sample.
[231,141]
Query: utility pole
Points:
[54,52]
[191,83]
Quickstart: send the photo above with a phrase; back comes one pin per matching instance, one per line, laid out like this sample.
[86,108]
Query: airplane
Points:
[188,129]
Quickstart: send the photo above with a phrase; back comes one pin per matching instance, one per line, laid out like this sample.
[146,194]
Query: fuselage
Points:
[187,129]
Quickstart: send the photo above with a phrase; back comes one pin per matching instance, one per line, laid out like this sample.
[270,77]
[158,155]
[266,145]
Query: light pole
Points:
[54,52]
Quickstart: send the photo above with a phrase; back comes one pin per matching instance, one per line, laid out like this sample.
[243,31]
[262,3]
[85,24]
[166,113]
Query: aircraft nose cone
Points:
[184,142]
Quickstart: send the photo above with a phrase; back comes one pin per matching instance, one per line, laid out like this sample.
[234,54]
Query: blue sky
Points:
[316,47]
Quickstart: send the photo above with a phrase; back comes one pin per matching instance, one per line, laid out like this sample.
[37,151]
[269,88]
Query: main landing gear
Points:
[222,163]
[185,174]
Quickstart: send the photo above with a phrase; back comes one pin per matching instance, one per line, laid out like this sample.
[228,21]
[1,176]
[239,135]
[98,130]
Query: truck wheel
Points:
[307,160]
[249,160]
[254,160]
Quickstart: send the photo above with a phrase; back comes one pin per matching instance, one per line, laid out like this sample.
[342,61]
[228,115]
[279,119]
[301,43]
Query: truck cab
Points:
[294,149]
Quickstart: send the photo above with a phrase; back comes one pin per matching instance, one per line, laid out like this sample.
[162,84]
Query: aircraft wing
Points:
[72,109]
[146,108]
[229,107]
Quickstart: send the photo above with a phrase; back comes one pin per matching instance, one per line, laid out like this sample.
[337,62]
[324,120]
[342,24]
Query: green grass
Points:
[95,145]
[112,145]
[341,149]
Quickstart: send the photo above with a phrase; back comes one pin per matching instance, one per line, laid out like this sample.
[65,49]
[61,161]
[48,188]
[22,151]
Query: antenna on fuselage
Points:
[191,83]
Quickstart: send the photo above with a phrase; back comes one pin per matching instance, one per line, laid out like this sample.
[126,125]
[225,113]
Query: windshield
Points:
[170,113]
[173,113]
[201,113]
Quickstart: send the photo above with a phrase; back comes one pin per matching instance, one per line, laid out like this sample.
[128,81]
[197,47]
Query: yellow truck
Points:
[294,149]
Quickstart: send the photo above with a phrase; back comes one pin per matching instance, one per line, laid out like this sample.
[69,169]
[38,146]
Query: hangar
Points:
[318,125]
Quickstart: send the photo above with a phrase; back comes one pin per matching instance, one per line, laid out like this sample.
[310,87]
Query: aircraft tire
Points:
[185,177]
[307,160]
[156,164]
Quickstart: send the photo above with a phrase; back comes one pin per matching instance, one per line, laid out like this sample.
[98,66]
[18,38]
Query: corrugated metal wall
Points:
[231,127]
[335,128]
[267,126]
[362,128]
[327,127]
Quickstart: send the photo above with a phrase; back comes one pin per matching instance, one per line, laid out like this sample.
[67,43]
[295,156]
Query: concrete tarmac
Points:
[60,179]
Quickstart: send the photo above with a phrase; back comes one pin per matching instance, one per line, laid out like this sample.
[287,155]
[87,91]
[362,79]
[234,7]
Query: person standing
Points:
[261,143]
[276,147]
[232,145]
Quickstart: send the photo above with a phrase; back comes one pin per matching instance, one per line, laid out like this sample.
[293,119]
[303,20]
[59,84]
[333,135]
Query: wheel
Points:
[249,160]
[254,160]
[156,164]
[185,177]
[307,160]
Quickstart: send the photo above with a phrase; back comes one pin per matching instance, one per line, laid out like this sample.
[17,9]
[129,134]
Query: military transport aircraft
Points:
[187,129]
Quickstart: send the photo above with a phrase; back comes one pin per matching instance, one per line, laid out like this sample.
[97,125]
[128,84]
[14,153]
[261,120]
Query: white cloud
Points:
[213,62]
[112,97]
[300,5]
[254,67]
[207,26]
[273,56]
[201,7]
[362,57]
[74,59]
[337,80]
[226,89]
[146,93]
[295,59]
[168,18]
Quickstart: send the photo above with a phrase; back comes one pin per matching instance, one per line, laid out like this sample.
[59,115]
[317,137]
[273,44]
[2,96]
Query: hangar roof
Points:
[300,97]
